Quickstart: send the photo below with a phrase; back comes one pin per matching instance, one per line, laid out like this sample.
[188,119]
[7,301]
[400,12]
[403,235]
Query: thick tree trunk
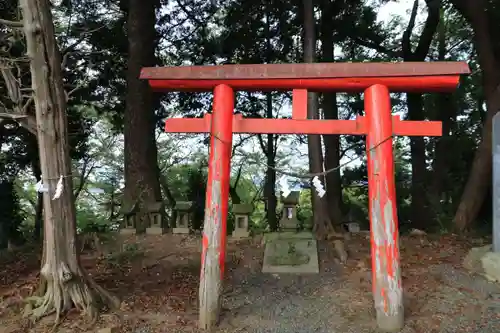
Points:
[322,223]
[64,283]
[480,175]
[330,111]
[141,166]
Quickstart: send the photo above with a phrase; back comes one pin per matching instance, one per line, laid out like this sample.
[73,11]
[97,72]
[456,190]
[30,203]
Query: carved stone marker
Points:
[184,211]
[289,221]
[496,182]
[129,222]
[241,220]
[290,251]
[291,255]
[157,225]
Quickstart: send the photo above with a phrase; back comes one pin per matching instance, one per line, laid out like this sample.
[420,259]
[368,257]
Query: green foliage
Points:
[88,221]
[304,209]
[11,216]
[93,40]
[197,187]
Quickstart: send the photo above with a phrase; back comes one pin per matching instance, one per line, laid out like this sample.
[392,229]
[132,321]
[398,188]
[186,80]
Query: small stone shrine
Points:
[289,220]
[241,220]
[184,210]
[290,250]
[157,225]
[129,222]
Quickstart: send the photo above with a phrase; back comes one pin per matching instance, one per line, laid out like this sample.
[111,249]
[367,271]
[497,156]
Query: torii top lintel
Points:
[440,76]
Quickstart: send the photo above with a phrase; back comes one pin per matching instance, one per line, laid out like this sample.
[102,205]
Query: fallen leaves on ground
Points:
[158,280]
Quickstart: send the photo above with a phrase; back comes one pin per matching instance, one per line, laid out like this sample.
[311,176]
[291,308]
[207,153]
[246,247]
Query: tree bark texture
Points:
[269,189]
[330,111]
[270,148]
[64,283]
[479,179]
[142,182]
[322,222]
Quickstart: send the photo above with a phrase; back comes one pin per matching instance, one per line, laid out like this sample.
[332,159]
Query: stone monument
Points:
[184,211]
[129,223]
[157,225]
[485,260]
[241,220]
[289,220]
[290,250]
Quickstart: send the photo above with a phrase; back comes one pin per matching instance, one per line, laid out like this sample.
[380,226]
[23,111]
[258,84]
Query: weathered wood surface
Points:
[387,282]
[214,228]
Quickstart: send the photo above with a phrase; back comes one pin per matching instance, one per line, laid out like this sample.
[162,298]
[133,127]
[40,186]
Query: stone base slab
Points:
[128,231]
[307,247]
[241,234]
[156,231]
[180,230]
[491,266]
[481,260]
[272,236]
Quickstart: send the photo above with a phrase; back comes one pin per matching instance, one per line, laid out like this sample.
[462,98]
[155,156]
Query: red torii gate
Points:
[376,80]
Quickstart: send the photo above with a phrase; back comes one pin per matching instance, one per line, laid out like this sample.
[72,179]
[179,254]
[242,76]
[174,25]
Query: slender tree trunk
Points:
[269,190]
[480,175]
[419,211]
[447,114]
[235,197]
[330,111]
[419,205]
[322,223]
[170,198]
[37,232]
[142,183]
[270,149]
[64,283]
[35,167]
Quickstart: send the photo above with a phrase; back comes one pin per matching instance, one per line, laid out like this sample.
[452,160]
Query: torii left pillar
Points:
[214,227]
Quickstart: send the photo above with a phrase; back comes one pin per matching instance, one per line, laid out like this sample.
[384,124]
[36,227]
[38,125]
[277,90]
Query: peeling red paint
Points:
[216,207]
[387,287]
[303,71]
[376,80]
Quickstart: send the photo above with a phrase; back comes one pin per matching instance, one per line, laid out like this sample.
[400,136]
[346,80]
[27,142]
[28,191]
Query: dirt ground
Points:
[156,277]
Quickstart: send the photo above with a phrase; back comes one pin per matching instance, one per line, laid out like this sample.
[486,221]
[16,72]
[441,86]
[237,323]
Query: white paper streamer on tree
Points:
[283,182]
[318,186]
[59,188]
[40,187]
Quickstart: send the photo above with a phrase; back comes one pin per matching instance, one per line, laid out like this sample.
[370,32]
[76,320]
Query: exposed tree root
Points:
[324,230]
[340,249]
[66,291]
